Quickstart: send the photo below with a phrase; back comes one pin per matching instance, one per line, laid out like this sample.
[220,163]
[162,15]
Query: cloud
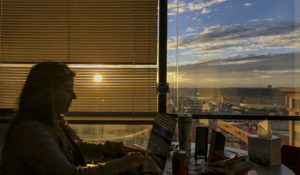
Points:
[184,7]
[174,6]
[197,52]
[174,77]
[171,13]
[247,4]
[239,38]
[205,11]
[241,71]
[260,20]
[265,76]
[277,71]
[171,20]
[253,20]
[189,29]
[202,5]
[235,62]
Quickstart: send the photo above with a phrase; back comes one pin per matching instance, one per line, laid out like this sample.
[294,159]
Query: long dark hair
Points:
[36,100]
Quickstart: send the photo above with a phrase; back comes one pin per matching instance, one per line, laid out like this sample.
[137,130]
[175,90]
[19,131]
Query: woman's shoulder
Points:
[26,133]
[30,124]
[30,128]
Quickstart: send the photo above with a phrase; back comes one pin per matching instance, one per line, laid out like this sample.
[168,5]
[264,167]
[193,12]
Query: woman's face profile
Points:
[63,96]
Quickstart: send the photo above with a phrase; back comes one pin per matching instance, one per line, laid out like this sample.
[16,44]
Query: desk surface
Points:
[194,168]
[257,170]
[276,170]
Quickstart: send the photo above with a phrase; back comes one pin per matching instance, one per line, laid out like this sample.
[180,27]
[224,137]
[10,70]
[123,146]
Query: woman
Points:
[40,141]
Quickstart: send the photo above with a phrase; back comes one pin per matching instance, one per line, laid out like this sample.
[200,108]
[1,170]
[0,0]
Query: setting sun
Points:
[97,78]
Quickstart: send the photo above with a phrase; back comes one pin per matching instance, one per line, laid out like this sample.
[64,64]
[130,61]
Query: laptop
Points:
[159,144]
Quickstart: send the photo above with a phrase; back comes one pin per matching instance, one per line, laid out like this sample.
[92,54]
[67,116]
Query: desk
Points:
[275,170]
[257,170]
[194,168]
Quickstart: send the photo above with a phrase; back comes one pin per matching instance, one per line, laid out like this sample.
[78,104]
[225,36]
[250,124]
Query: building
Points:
[292,101]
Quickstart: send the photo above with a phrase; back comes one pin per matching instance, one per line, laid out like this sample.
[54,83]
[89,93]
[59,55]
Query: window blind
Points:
[79,31]
[116,39]
[121,89]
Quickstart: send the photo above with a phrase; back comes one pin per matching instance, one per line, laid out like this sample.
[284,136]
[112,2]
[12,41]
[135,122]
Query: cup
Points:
[180,163]
[185,132]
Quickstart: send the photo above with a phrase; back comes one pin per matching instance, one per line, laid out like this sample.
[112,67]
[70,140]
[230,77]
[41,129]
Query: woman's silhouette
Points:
[40,141]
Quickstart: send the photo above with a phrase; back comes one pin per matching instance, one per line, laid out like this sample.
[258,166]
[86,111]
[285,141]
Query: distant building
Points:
[292,101]
[207,107]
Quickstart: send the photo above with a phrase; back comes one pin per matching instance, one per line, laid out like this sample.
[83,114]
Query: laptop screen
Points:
[160,139]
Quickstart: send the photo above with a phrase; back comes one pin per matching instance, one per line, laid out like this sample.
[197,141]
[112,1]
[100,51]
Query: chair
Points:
[290,157]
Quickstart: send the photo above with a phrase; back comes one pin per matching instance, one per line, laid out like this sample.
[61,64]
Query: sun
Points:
[97,78]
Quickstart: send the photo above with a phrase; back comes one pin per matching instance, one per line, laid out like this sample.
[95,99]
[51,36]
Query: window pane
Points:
[288,131]
[233,57]
[129,134]
[236,132]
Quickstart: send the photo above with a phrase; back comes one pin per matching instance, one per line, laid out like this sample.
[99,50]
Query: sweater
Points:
[32,149]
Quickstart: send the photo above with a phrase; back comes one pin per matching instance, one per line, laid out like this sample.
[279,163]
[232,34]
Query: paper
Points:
[264,130]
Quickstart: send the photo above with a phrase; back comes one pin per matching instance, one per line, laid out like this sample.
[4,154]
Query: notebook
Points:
[159,144]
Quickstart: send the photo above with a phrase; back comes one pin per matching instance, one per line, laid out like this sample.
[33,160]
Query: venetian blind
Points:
[119,35]
[79,31]
[122,88]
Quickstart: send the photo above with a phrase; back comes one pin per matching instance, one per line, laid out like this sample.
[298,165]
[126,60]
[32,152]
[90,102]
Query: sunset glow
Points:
[97,78]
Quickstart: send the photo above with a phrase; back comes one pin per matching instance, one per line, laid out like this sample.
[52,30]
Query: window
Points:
[111,45]
[235,59]
[129,134]
[232,57]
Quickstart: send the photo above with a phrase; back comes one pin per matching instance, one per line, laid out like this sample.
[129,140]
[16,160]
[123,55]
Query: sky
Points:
[234,43]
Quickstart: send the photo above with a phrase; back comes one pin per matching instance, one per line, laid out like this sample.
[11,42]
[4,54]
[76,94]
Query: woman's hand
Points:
[137,159]
[134,148]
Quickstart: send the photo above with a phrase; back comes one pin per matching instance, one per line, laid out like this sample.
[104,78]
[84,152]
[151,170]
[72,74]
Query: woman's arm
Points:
[97,151]
[94,151]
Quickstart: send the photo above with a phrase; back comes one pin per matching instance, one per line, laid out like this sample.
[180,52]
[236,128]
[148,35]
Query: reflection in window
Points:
[129,134]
